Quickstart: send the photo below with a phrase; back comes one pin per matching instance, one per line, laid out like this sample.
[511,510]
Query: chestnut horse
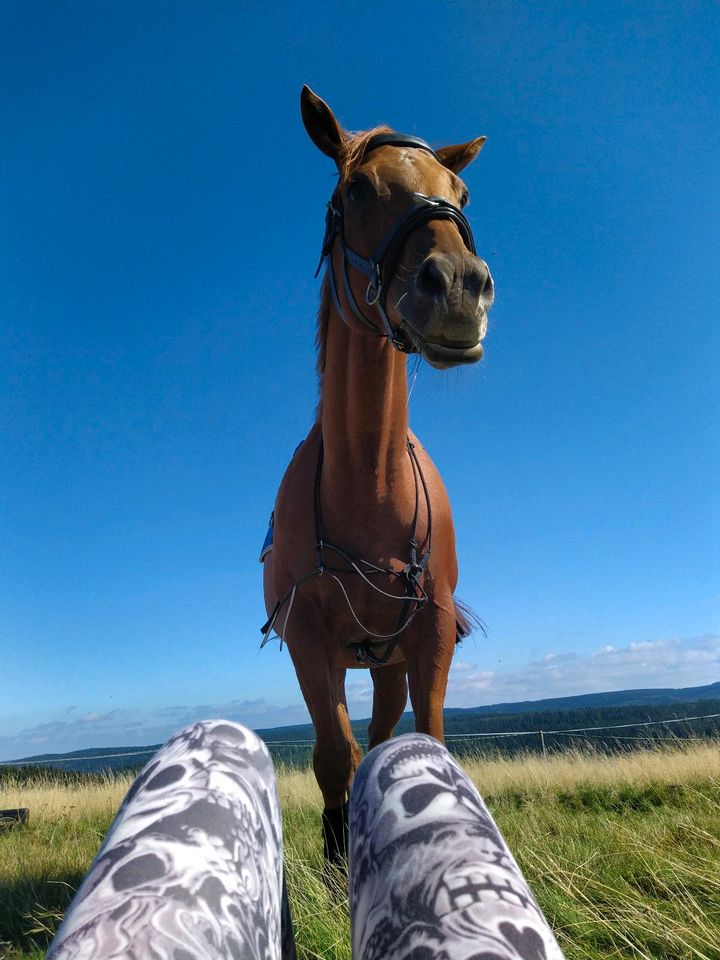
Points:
[363,567]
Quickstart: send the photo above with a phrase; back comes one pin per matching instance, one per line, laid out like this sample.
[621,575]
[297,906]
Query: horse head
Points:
[397,236]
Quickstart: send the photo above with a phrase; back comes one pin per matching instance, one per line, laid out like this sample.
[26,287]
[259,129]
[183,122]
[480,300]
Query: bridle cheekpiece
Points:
[380,266]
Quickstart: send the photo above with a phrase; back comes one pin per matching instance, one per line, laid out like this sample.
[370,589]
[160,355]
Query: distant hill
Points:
[616,698]
[555,713]
[91,760]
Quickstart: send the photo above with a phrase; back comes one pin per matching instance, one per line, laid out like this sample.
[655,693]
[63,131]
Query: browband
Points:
[379,266]
[399,140]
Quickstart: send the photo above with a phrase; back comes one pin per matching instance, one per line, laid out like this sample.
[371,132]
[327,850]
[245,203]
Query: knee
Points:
[219,734]
[419,744]
[416,749]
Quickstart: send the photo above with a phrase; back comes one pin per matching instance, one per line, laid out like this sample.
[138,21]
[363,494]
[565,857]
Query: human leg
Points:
[430,874]
[191,868]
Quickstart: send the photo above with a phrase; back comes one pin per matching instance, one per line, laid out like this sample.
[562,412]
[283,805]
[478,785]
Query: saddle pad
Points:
[268,541]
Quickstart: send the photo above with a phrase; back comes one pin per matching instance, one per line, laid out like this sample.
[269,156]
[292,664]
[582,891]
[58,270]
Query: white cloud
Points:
[460,667]
[664,663]
[675,662]
[139,728]
[359,689]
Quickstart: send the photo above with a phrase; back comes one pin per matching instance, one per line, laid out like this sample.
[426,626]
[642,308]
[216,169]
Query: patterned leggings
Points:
[192,867]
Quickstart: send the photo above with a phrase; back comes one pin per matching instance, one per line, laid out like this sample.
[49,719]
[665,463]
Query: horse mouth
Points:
[444,355]
[444,352]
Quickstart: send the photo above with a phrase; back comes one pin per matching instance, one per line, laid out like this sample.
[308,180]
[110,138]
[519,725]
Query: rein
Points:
[413,572]
[380,266]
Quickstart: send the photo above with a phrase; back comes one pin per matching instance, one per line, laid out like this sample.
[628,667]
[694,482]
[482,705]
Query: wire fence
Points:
[451,738]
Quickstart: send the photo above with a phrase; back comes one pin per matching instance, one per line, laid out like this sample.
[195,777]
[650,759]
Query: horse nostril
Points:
[477,281]
[488,290]
[435,277]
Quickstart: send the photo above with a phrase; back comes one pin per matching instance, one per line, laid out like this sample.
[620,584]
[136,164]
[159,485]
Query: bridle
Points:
[414,596]
[380,266]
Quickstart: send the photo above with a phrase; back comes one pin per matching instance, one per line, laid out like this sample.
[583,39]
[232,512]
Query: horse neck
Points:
[363,406]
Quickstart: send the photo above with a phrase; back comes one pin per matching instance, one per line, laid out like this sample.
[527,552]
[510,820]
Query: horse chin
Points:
[442,357]
[453,350]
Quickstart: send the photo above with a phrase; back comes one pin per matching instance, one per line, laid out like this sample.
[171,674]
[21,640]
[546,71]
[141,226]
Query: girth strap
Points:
[414,597]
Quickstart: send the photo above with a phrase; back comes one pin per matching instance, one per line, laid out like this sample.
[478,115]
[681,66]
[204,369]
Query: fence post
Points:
[542,743]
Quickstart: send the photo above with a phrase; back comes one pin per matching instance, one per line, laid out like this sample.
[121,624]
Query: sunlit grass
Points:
[674,763]
[623,852]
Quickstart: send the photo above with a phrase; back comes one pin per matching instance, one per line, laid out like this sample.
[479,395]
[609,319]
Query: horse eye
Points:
[357,189]
[464,199]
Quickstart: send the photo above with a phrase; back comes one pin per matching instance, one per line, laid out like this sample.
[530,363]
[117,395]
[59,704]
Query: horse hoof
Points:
[335,837]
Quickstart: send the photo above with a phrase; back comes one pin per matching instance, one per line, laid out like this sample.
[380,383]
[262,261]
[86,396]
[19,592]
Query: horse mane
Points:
[352,154]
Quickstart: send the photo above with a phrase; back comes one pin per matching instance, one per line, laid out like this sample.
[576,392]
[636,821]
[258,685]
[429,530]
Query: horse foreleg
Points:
[390,693]
[344,717]
[336,755]
[428,659]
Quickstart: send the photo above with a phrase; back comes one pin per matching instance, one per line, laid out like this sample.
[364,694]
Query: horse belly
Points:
[346,658]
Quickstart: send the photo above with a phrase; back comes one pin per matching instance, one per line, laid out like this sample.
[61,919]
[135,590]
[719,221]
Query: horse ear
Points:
[458,157]
[321,125]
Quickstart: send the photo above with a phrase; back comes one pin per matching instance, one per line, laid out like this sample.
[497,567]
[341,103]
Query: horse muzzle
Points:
[441,356]
[448,301]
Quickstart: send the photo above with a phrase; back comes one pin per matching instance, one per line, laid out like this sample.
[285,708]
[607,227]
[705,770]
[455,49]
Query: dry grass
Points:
[675,763]
[53,802]
[297,788]
[623,852]
[41,865]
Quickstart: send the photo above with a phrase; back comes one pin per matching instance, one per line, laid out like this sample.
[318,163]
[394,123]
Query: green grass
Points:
[623,853]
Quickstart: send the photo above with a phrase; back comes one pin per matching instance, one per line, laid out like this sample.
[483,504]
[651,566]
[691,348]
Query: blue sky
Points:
[162,215]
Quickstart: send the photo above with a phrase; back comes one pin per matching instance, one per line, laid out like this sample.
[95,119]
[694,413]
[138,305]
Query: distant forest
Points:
[287,747]
[465,722]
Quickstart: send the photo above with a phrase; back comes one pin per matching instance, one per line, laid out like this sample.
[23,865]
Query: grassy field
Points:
[623,852]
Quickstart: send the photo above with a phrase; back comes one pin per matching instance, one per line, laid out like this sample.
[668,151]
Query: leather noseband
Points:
[379,267]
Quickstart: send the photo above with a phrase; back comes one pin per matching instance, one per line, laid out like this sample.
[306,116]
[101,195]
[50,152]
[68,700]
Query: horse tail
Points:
[466,620]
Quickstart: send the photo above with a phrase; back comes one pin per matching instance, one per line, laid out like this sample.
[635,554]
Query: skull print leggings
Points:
[192,867]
